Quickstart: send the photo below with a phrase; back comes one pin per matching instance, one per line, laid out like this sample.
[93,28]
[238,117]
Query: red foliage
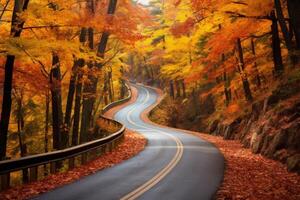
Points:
[185,28]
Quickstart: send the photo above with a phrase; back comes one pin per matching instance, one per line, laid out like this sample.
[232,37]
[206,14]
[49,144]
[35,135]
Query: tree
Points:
[16,30]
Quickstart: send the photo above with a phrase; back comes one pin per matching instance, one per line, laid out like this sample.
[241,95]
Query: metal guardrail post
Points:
[33,171]
[4,181]
[71,163]
[52,168]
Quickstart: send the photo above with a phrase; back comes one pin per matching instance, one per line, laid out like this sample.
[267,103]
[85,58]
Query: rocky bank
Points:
[271,129]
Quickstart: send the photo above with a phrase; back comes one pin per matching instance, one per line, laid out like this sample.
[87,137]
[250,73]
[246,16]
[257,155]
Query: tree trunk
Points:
[21,123]
[294,15]
[195,102]
[46,129]
[257,76]
[183,88]
[89,98]
[57,114]
[91,38]
[105,90]
[78,95]
[178,91]
[172,93]
[283,25]
[246,86]
[6,105]
[110,86]
[152,73]
[227,91]
[89,92]
[285,32]
[71,92]
[122,89]
[277,57]
[16,30]
[77,109]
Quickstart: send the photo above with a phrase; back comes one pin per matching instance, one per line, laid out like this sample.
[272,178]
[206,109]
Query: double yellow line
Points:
[166,170]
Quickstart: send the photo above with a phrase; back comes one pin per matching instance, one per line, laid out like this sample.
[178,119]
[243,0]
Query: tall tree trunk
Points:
[285,32]
[172,93]
[57,114]
[105,89]
[21,124]
[227,91]
[89,92]
[88,101]
[178,91]
[110,85]
[112,89]
[77,109]
[195,102]
[226,86]
[152,73]
[91,38]
[59,134]
[6,105]
[277,57]
[147,71]
[257,76]
[183,88]
[16,30]
[46,141]
[294,15]
[283,25]
[122,89]
[246,85]
[71,92]
[72,86]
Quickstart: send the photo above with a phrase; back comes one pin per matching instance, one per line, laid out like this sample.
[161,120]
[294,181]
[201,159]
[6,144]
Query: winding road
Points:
[173,166]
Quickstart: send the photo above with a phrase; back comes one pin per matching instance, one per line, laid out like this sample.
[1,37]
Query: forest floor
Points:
[132,145]
[252,176]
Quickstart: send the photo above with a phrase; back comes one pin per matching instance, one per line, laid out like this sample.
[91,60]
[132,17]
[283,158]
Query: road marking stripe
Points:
[166,170]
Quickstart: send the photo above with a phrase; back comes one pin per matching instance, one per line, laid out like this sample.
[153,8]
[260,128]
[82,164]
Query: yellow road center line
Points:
[166,170]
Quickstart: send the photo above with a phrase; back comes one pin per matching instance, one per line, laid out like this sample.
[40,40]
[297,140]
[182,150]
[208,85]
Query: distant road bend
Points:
[173,166]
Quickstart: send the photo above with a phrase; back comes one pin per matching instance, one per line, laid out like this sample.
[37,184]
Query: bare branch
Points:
[34,60]
[47,26]
[240,3]
[4,9]
[235,14]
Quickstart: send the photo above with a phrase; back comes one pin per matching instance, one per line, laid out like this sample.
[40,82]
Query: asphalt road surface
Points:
[173,166]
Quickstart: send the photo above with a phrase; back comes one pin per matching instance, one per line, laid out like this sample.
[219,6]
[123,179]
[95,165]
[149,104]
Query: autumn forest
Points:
[227,71]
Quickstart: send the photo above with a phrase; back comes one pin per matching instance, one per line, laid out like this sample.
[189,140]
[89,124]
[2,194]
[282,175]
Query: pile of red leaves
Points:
[133,144]
[251,176]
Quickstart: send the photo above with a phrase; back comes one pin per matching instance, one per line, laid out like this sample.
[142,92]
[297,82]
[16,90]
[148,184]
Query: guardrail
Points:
[119,102]
[33,162]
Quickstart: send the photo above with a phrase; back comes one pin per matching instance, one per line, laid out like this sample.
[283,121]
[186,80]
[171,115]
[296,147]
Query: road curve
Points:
[173,166]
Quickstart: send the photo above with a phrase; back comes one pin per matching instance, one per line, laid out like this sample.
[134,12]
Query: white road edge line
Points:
[166,170]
